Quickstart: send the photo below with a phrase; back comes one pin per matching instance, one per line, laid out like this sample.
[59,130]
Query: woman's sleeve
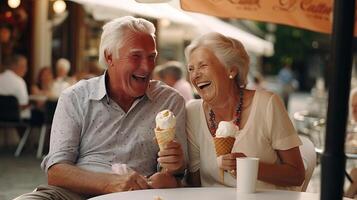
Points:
[280,129]
[192,137]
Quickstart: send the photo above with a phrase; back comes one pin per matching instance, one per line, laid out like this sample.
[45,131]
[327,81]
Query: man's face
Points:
[130,72]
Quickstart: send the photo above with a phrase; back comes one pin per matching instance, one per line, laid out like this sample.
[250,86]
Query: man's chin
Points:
[139,93]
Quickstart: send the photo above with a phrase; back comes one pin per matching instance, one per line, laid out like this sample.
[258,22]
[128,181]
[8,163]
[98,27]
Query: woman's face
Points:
[46,76]
[208,75]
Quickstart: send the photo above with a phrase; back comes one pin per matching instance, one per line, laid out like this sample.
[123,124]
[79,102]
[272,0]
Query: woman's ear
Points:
[233,72]
[109,58]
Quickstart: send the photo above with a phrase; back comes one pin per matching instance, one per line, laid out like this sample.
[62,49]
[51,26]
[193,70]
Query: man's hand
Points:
[162,180]
[228,161]
[171,158]
[127,182]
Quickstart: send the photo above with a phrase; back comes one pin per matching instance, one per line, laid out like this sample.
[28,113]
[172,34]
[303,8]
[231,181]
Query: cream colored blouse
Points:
[267,129]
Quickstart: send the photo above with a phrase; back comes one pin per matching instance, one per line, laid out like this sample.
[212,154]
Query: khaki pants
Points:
[48,192]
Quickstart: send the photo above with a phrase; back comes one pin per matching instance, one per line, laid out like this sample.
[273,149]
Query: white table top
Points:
[208,193]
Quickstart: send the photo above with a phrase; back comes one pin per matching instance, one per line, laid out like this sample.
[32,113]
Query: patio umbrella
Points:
[314,15]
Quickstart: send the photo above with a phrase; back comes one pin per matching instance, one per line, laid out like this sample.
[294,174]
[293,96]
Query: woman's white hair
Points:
[64,64]
[230,52]
[113,34]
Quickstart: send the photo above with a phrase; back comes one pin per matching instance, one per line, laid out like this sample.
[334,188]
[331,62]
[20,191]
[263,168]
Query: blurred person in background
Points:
[351,136]
[62,80]
[351,140]
[258,81]
[92,69]
[353,106]
[44,83]
[12,82]
[288,82]
[171,73]
[5,44]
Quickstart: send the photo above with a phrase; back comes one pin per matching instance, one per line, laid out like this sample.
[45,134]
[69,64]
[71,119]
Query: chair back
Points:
[308,155]
[50,109]
[9,109]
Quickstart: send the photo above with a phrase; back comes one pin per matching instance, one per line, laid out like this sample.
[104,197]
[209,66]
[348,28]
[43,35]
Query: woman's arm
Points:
[290,172]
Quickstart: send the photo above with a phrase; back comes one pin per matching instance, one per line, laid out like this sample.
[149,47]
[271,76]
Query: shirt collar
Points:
[150,90]
[101,91]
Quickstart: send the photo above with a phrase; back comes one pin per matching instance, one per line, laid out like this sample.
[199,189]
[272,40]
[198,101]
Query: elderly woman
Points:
[218,68]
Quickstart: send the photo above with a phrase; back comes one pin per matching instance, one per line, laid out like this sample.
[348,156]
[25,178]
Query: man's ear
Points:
[109,58]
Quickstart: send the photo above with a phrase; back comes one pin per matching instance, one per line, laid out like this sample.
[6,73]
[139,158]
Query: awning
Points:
[313,15]
[251,42]
[197,23]
[109,9]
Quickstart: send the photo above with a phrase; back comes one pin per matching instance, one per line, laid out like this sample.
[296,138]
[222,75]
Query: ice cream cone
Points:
[223,146]
[163,136]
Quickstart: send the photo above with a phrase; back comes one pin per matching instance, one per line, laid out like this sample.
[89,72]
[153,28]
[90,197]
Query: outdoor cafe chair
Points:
[308,155]
[10,118]
[50,107]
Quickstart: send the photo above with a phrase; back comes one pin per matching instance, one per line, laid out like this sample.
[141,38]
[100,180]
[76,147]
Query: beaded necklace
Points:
[212,116]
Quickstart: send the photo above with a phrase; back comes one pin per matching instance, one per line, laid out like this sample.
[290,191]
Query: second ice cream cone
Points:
[223,146]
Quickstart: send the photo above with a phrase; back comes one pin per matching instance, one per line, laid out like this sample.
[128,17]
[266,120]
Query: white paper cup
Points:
[247,172]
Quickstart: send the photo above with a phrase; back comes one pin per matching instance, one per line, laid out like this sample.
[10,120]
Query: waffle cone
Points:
[223,145]
[163,136]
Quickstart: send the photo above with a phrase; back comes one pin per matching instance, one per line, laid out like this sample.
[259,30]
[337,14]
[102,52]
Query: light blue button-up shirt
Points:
[92,132]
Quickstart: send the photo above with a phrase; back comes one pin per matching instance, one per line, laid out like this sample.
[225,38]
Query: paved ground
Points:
[19,175]
[23,174]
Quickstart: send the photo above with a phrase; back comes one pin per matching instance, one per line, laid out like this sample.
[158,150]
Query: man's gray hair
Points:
[113,35]
[230,52]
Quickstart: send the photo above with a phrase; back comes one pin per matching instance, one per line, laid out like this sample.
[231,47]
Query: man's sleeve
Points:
[65,132]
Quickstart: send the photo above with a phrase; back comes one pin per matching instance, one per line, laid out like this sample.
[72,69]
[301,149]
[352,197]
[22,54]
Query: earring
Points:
[231,76]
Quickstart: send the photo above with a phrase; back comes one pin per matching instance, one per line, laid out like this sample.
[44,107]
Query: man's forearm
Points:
[79,180]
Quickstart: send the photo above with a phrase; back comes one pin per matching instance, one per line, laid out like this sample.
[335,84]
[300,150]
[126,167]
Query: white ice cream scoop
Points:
[226,129]
[165,120]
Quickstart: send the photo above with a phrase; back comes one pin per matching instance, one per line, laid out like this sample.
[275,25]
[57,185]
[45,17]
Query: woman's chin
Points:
[208,99]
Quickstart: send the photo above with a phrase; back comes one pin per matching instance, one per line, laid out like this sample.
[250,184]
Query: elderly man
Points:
[109,121]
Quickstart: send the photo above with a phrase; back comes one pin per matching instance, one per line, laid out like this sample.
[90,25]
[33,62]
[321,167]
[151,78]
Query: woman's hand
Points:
[162,180]
[228,161]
